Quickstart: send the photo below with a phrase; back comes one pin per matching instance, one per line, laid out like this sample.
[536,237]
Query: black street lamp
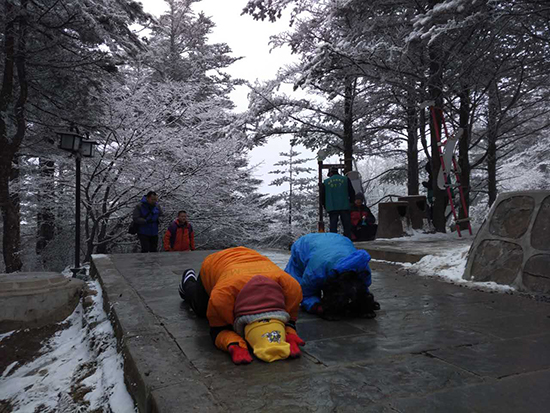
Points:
[78,146]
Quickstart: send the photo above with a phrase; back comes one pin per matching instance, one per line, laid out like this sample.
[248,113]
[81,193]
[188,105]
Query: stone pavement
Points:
[434,347]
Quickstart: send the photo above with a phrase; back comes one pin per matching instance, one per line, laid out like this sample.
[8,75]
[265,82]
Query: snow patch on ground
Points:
[67,273]
[420,235]
[9,333]
[450,266]
[79,368]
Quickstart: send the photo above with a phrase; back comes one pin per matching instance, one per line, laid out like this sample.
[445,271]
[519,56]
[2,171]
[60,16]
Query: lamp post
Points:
[78,146]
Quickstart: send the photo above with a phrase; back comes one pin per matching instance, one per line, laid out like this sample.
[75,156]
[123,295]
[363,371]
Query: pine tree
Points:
[297,204]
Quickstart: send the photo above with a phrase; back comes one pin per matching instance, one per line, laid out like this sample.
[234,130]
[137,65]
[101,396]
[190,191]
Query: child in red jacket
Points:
[179,236]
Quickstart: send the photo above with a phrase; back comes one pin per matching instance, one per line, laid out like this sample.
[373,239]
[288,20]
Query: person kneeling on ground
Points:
[248,300]
[334,276]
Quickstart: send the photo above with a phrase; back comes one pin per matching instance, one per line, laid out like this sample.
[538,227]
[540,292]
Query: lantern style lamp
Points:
[69,141]
[87,148]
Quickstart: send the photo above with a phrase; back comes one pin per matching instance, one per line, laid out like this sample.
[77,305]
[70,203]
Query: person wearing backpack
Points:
[180,235]
[146,216]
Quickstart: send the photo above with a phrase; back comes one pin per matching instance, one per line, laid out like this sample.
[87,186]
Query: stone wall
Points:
[513,245]
[35,299]
[392,219]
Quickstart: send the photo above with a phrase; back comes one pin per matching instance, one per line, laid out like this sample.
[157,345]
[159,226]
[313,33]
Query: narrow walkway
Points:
[433,347]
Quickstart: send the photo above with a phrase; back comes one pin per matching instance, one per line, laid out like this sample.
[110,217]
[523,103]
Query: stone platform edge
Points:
[385,254]
[138,332]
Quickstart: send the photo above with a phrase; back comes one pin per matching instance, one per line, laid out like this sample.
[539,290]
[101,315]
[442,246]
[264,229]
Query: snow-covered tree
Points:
[484,63]
[297,205]
[51,51]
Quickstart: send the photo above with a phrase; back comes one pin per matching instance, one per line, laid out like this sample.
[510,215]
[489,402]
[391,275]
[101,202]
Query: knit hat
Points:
[268,339]
[260,298]
[260,318]
[333,170]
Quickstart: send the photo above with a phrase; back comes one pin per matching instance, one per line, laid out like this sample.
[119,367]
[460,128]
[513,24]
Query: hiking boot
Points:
[187,275]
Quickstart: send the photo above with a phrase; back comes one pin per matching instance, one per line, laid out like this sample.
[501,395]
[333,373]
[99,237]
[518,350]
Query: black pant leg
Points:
[148,243]
[372,231]
[345,216]
[153,243]
[333,217]
[144,242]
[196,296]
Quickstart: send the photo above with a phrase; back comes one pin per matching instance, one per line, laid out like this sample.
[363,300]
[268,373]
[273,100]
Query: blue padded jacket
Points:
[316,257]
[147,217]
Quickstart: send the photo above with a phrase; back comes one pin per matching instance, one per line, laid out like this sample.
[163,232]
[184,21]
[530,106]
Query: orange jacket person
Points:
[179,236]
[247,299]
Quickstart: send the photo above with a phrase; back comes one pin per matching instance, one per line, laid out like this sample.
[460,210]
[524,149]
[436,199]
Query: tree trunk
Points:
[435,90]
[412,147]
[14,53]
[11,237]
[291,182]
[463,154]
[492,134]
[422,129]
[45,216]
[349,96]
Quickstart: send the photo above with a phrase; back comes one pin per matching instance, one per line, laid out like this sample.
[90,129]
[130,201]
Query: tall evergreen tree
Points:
[296,205]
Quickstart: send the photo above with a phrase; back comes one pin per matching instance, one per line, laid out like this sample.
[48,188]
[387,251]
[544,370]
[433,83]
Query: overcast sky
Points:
[248,39]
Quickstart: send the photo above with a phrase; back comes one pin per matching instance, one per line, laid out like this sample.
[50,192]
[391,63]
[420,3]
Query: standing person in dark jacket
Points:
[180,235]
[337,194]
[146,215]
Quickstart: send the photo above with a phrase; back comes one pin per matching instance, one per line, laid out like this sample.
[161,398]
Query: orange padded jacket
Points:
[179,237]
[224,274]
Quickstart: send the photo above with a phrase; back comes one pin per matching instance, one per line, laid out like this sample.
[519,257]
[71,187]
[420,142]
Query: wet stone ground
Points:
[433,347]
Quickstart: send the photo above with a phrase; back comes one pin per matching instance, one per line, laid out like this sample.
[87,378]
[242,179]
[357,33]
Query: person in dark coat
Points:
[337,194]
[146,216]
[363,222]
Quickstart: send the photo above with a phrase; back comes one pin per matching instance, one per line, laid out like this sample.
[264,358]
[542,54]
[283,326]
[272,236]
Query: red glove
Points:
[240,355]
[295,342]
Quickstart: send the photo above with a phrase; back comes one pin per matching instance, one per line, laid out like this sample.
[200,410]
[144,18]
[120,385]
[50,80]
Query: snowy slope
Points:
[79,368]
